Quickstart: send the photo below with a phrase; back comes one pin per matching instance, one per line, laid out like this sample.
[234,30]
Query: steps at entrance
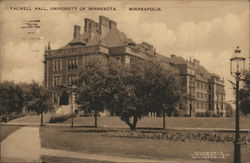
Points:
[63,110]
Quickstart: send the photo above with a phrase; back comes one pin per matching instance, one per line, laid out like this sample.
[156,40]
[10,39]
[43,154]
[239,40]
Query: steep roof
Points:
[114,38]
[177,60]
[163,58]
[201,70]
[78,40]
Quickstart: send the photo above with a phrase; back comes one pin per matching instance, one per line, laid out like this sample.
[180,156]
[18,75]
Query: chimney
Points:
[104,21]
[112,24]
[104,25]
[196,62]
[49,47]
[77,31]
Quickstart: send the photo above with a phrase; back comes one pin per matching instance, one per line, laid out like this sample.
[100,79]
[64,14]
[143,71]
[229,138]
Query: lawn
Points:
[6,130]
[91,141]
[149,122]
[32,119]
[52,159]
[156,122]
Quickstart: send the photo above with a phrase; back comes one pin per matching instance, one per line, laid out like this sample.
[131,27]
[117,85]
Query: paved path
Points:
[22,145]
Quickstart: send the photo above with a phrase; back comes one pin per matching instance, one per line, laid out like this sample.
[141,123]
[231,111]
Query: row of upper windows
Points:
[205,96]
[201,105]
[57,80]
[202,95]
[205,105]
[72,64]
[219,97]
[202,85]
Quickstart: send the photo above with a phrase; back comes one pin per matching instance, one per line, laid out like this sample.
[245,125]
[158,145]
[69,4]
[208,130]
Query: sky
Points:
[205,30]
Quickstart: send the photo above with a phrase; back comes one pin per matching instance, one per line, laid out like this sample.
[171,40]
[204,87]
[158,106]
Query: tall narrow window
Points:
[210,97]
[72,63]
[57,80]
[57,64]
[72,80]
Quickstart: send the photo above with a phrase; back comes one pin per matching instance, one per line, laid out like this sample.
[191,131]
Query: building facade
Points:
[102,40]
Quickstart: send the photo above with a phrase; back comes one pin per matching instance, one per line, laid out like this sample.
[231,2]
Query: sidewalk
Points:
[22,145]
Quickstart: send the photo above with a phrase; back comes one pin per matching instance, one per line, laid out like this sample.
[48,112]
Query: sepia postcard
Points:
[67,93]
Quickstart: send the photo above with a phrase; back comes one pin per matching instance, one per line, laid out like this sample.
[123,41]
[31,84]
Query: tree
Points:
[38,99]
[11,98]
[91,92]
[141,87]
[244,94]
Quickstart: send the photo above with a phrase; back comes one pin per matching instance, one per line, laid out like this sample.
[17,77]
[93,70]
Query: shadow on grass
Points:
[92,129]
[85,130]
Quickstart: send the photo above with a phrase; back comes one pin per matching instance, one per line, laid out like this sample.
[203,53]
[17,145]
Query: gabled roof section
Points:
[114,38]
[177,60]
[78,40]
[201,70]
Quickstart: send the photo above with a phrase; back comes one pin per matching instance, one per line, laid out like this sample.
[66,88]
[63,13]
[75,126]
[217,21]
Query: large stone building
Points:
[102,40]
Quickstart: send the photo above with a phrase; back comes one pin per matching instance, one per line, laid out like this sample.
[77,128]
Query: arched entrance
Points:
[64,99]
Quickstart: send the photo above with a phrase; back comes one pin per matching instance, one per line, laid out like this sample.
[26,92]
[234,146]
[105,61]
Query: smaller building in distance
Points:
[100,41]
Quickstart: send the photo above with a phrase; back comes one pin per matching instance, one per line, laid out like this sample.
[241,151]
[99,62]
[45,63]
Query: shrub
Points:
[12,116]
[178,136]
[200,114]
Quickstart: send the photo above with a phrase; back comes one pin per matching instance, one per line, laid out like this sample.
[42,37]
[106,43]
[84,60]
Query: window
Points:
[210,87]
[209,106]
[57,64]
[209,96]
[198,84]
[197,105]
[55,97]
[72,63]
[72,80]
[57,80]
[198,94]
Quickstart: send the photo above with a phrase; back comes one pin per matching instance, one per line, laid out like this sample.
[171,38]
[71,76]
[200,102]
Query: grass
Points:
[156,122]
[149,122]
[53,159]
[91,141]
[7,130]
[32,119]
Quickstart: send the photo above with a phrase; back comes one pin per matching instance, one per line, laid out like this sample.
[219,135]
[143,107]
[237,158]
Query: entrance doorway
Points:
[64,99]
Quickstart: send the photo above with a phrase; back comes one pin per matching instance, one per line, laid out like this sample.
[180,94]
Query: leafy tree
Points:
[91,92]
[37,99]
[244,94]
[129,91]
[11,98]
[141,87]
